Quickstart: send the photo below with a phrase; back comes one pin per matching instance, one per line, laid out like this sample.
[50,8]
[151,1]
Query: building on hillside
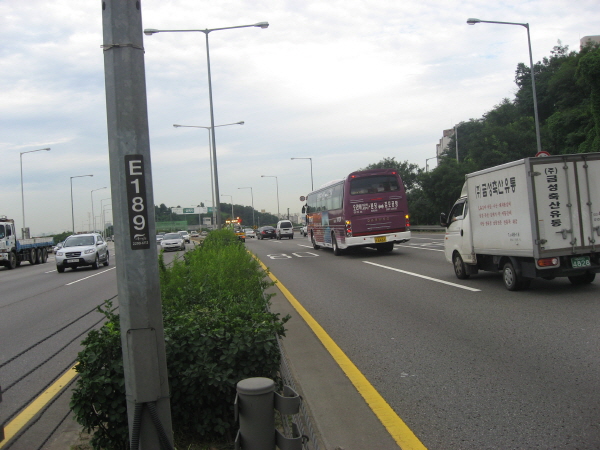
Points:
[442,146]
[589,39]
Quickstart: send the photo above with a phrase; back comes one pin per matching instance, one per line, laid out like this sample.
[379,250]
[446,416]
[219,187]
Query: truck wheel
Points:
[585,278]
[38,256]
[12,260]
[44,256]
[460,269]
[336,249]
[32,256]
[512,281]
[314,243]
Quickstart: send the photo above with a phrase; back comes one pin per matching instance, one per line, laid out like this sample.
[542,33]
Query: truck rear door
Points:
[567,200]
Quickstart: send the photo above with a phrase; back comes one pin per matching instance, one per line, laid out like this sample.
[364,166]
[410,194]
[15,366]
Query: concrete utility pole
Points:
[142,333]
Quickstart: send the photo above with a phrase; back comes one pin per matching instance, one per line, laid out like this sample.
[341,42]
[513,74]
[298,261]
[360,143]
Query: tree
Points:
[588,70]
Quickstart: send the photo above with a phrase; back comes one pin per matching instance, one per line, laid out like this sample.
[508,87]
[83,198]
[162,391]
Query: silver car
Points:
[82,250]
[172,241]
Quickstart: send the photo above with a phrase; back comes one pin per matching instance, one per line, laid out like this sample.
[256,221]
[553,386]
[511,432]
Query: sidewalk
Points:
[342,418]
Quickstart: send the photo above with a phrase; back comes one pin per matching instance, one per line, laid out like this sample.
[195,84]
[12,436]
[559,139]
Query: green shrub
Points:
[218,331]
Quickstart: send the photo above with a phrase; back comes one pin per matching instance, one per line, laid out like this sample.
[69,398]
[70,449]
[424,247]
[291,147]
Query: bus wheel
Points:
[336,249]
[314,243]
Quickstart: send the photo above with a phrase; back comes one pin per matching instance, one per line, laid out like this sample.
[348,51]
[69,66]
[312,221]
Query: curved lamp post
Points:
[212,185]
[312,186]
[473,21]
[277,186]
[252,196]
[72,212]
[150,32]
[93,216]
[22,196]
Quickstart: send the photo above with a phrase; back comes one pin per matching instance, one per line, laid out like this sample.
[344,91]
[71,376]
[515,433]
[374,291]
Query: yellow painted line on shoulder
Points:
[399,431]
[36,406]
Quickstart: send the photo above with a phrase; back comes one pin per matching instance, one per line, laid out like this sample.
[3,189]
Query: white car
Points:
[194,234]
[250,233]
[172,241]
[303,231]
[185,235]
[82,250]
[283,229]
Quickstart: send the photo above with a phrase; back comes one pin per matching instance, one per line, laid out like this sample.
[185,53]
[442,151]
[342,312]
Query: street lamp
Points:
[22,196]
[72,212]
[212,186]
[150,32]
[277,185]
[252,196]
[312,187]
[426,164]
[93,216]
[472,21]
[231,199]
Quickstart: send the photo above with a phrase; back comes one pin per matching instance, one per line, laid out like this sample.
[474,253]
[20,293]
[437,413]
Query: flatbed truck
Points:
[14,251]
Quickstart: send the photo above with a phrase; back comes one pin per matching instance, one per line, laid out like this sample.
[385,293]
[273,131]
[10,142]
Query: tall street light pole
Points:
[472,21]
[22,196]
[92,196]
[103,227]
[231,199]
[312,186]
[277,186]
[72,211]
[212,185]
[427,164]
[150,32]
[252,196]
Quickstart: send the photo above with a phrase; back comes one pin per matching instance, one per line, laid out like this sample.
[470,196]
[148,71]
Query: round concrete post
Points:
[256,413]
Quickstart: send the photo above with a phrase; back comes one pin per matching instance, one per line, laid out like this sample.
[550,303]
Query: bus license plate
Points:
[72,260]
[580,261]
[380,239]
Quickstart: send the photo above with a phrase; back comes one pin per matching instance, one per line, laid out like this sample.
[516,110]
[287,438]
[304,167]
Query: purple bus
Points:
[366,209]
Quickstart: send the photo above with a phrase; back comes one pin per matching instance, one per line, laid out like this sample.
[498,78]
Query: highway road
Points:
[465,363]
[35,302]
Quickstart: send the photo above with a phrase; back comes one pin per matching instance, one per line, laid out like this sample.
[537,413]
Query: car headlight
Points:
[89,250]
[59,253]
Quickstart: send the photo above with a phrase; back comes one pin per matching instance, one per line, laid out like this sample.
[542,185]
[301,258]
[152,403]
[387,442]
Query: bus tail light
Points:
[348,228]
[407,221]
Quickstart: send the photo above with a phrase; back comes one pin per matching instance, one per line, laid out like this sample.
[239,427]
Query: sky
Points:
[346,83]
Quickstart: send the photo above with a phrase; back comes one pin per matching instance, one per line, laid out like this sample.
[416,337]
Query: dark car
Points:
[266,233]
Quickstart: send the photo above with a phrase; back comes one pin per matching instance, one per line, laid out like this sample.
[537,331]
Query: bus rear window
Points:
[374,185]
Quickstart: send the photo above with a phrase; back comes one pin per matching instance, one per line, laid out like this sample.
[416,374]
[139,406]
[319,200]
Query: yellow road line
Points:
[399,431]
[36,406]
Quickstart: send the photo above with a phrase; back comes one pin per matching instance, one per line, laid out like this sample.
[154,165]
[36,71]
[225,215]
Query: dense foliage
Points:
[217,332]
[568,97]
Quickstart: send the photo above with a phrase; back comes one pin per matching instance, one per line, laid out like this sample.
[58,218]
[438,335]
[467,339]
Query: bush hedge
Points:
[218,331]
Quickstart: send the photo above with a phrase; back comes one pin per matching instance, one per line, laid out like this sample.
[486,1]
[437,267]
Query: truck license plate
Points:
[580,261]
[380,239]
[72,260]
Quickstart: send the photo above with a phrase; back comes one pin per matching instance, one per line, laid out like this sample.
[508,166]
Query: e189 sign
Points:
[136,202]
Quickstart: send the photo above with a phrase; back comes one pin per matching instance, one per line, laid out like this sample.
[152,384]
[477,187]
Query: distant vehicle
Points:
[204,233]
[368,208]
[250,233]
[14,251]
[172,241]
[57,247]
[283,229]
[185,235]
[531,218]
[159,238]
[82,250]
[266,232]
[303,231]
[194,234]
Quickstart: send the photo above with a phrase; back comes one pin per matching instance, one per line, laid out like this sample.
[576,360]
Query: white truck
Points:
[14,251]
[532,218]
